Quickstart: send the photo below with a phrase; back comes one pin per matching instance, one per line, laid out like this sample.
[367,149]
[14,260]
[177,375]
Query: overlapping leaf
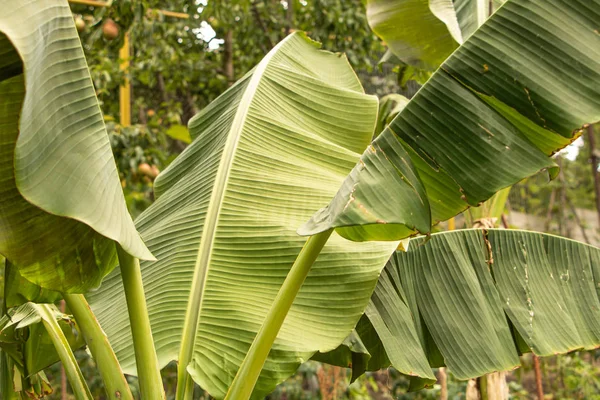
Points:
[519,89]
[422,33]
[389,107]
[18,290]
[471,13]
[472,296]
[62,205]
[265,155]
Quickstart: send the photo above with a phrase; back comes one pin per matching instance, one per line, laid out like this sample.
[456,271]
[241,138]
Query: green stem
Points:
[145,355]
[6,375]
[6,379]
[6,272]
[114,381]
[249,371]
[483,387]
[78,384]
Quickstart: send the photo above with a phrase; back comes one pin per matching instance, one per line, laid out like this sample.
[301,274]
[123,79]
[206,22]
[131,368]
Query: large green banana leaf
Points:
[265,155]
[62,207]
[519,89]
[476,299]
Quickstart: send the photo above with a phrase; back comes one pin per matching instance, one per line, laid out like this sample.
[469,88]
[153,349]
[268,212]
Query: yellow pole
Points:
[174,14]
[451,224]
[125,55]
[93,3]
[97,3]
[125,89]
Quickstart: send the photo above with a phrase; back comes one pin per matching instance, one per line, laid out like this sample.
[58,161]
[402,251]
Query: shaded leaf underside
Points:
[265,155]
[474,300]
[415,33]
[61,197]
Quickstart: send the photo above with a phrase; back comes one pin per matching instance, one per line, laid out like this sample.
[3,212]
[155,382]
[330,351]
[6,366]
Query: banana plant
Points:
[264,156]
[63,215]
[268,152]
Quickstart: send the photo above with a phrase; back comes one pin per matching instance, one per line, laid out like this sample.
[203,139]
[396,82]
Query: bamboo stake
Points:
[108,3]
[125,55]
[125,89]
[93,3]
[173,14]
[451,224]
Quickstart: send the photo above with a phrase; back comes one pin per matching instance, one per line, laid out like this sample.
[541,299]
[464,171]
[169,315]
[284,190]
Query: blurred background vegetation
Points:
[179,65]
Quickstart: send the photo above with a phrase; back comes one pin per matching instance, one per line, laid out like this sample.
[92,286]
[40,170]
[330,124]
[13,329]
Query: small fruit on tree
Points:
[80,24]
[144,169]
[155,171]
[110,30]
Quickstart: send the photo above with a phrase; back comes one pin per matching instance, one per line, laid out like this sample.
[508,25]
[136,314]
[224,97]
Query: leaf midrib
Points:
[201,267]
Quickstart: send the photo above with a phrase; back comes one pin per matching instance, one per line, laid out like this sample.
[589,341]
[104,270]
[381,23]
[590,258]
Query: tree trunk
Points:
[472,392]
[504,220]
[497,388]
[188,107]
[142,116]
[289,17]
[228,57]
[562,223]
[594,161]
[160,84]
[263,27]
[538,377]
[578,221]
[550,209]
[443,379]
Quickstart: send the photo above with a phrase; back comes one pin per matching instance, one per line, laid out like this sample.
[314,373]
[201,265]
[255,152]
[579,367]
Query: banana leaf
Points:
[265,155]
[518,90]
[477,299]
[62,208]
